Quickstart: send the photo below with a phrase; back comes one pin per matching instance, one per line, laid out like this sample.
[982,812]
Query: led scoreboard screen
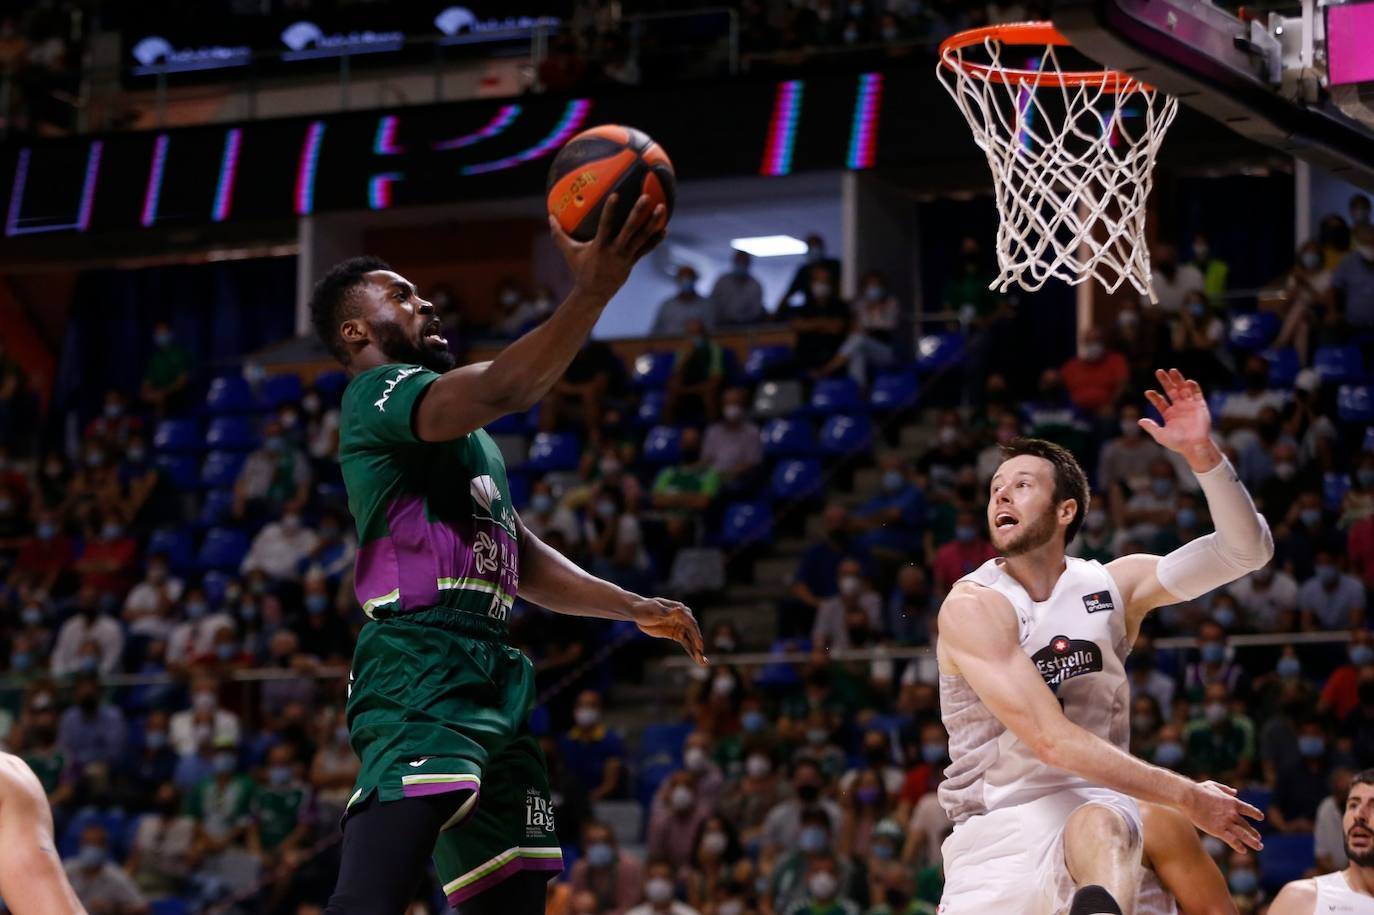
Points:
[273,169]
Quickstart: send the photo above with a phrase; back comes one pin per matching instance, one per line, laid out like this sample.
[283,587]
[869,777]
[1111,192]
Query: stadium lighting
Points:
[769,245]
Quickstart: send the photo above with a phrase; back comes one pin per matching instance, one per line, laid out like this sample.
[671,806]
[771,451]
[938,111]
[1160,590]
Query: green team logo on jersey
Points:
[486,495]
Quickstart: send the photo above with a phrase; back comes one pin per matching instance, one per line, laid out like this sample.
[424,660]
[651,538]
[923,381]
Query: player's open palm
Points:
[668,619]
[601,266]
[1216,810]
[1187,421]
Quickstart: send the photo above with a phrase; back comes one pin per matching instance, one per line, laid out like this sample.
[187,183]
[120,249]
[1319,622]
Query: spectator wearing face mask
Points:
[819,321]
[322,631]
[865,805]
[100,883]
[1269,599]
[967,551]
[1340,694]
[206,719]
[1331,599]
[321,427]
[1241,410]
[816,261]
[732,447]
[854,617]
[684,306]
[783,827]
[114,425]
[1303,533]
[90,625]
[274,478]
[892,521]
[1151,510]
[1352,282]
[699,371]
[282,808]
[870,345]
[892,886]
[716,852]
[1213,666]
[335,548]
[1301,788]
[1096,377]
[737,298]
[615,541]
[613,876]
[44,558]
[1171,281]
[814,884]
[660,892]
[593,753]
[1096,538]
[152,762]
[91,731]
[1243,881]
[749,799]
[1276,476]
[966,291]
[280,548]
[1307,295]
[167,374]
[544,514]
[221,805]
[816,577]
[1145,677]
[162,849]
[148,606]
[1125,459]
[1220,744]
[107,557]
[1214,270]
[714,704]
[1145,722]
[911,607]
[194,636]
[675,816]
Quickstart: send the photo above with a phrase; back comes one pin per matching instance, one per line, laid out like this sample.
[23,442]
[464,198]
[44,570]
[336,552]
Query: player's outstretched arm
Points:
[471,396]
[1297,898]
[1182,864]
[979,640]
[32,881]
[1241,543]
[549,579]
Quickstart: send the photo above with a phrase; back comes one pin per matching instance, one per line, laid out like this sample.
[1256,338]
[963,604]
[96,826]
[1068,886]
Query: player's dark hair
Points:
[1069,480]
[331,303]
[1365,777]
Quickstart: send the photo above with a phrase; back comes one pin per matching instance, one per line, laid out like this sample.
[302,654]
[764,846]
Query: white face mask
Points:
[658,890]
[850,585]
[1092,351]
[822,885]
[694,759]
[733,412]
[587,716]
[681,798]
[757,766]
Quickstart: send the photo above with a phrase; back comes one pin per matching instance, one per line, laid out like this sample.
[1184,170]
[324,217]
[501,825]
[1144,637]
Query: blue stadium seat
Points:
[1368,443]
[327,493]
[894,391]
[223,549]
[1283,366]
[231,394]
[331,385]
[650,410]
[170,905]
[765,362]
[519,488]
[178,435]
[1355,403]
[662,446]
[796,479]
[1258,798]
[651,775]
[182,469]
[1285,858]
[1216,402]
[176,544]
[277,390]
[1253,332]
[664,740]
[220,470]
[652,370]
[1334,488]
[554,451]
[214,583]
[746,523]
[784,437]
[1339,364]
[935,352]
[231,433]
[846,434]
[835,395]
[215,508]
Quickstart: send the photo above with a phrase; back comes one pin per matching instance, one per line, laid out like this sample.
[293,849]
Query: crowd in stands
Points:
[789,788]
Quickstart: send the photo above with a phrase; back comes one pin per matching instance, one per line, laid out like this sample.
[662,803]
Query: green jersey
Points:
[436,528]
[277,811]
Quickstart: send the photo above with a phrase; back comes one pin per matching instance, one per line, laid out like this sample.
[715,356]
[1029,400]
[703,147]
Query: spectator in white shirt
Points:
[1269,598]
[737,298]
[186,728]
[545,514]
[149,603]
[683,306]
[854,617]
[1172,283]
[732,447]
[90,625]
[279,548]
[321,427]
[194,637]
[1240,415]
[1330,600]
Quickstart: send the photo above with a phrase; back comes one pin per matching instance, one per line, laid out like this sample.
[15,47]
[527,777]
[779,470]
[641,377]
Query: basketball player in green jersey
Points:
[438,698]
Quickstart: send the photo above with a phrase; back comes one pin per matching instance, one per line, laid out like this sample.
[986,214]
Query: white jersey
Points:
[1152,898]
[1077,640]
[1335,896]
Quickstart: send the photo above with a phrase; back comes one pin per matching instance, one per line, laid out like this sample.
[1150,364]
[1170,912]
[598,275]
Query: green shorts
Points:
[436,704]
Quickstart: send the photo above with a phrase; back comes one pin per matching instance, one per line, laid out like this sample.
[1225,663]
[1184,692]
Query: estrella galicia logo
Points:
[1065,658]
[1098,601]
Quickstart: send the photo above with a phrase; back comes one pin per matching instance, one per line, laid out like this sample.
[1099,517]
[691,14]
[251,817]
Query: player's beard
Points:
[1031,535]
[1362,859]
[399,347]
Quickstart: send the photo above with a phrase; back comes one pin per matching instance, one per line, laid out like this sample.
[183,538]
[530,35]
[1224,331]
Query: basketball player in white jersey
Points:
[1347,892]
[32,881]
[1177,873]
[1033,685]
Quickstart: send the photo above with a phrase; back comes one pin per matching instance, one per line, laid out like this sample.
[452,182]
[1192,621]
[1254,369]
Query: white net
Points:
[1071,157]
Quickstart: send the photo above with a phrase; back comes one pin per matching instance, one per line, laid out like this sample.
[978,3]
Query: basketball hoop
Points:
[1071,154]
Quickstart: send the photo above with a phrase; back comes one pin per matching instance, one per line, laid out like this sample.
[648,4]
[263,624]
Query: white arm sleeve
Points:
[1241,544]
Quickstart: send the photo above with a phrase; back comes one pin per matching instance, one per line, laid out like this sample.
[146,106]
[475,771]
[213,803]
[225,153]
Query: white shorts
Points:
[1011,861]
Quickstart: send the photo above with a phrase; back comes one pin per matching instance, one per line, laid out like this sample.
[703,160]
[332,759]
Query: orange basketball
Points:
[608,159]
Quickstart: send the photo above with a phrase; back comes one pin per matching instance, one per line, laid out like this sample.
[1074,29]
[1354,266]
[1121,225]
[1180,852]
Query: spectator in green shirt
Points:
[168,372]
[686,490]
[222,804]
[281,805]
[1221,744]
[1213,269]
[698,373]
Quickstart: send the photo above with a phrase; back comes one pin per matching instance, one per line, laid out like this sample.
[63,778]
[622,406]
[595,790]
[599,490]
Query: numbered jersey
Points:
[1077,640]
[435,523]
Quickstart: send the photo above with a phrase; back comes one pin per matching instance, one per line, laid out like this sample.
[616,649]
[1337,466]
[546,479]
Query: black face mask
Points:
[896,899]
[858,636]
[1256,381]
[876,756]
[1367,692]
[809,793]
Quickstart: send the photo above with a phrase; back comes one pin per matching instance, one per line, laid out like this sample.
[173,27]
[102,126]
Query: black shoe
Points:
[1094,900]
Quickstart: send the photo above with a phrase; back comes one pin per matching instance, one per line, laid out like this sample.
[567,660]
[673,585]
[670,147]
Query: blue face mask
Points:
[88,664]
[163,338]
[600,854]
[225,652]
[32,616]
[965,534]
[882,851]
[1187,518]
[1327,575]
[279,775]
[1242,881]
[248,611]
[1169,754]
[686,286]
[1311,516]
[541,502]
[1361,654]
[155,740]
[1311,746]
[275,443]
[753,721]
[1213,653]
[1289,668]
[91,856]
[875,293]
[315,604]
[893,480]
[225,763]
[1224,616]
[21,660]
[813,839]
[1161,487]
[196,609]
[933,753]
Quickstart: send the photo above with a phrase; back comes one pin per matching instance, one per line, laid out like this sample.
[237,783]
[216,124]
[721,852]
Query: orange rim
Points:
[1029,33]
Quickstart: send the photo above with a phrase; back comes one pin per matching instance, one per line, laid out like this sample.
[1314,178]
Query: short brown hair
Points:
[1069,480]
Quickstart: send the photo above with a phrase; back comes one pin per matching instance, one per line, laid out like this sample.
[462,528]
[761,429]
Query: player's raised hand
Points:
[1187,427]
[601,266]
[668,619]
[1215,809]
